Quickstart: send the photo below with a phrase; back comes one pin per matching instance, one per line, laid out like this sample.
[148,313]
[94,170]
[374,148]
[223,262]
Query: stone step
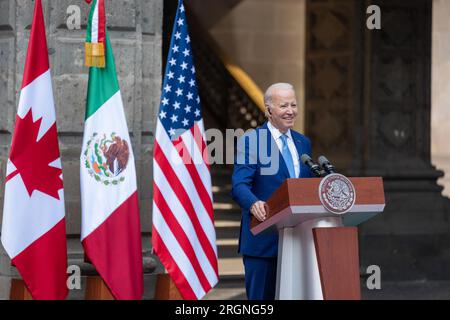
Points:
[221,173]
[227,215]
[231,232]
[228,223]
[229,267]
[228,251]
[221,188]
[221,169]
[221,197]
[222,182]
[228,288]
[225,205]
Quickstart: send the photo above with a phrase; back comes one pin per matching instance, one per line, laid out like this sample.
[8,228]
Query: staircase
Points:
[227,216]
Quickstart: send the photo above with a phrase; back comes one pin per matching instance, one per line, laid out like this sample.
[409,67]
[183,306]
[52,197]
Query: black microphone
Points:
[326,165]
[314,167]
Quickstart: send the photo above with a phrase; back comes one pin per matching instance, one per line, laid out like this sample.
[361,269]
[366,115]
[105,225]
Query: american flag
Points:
[183,234]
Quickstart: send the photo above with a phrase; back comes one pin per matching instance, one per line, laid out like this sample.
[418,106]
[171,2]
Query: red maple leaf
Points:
[32,158]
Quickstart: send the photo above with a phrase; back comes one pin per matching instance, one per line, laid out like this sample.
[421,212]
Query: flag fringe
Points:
[95,55]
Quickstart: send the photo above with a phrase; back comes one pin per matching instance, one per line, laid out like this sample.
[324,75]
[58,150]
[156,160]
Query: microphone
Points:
[326,165]
[314,167]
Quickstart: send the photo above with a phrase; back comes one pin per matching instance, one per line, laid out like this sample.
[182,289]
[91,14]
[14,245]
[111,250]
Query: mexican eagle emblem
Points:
[106,158]
[337,193]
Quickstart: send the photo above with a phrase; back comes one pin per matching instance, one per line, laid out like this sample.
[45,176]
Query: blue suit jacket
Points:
[251,182]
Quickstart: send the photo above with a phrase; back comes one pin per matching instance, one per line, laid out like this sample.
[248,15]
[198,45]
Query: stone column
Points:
[410,239]
[332,80]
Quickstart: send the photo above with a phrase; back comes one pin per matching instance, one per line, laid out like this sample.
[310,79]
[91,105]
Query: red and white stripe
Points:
[183,234]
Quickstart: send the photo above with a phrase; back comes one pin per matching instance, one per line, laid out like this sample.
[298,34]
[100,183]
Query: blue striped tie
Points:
[287,155]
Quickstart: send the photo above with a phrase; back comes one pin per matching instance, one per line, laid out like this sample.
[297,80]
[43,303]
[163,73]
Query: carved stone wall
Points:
[368,97]
[330,81]
[414,230]
[398,66]
[135,29]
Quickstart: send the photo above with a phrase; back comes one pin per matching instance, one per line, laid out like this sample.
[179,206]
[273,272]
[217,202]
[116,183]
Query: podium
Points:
[318,254]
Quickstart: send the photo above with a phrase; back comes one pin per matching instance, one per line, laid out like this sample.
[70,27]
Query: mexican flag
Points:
[110,233]
[33,226]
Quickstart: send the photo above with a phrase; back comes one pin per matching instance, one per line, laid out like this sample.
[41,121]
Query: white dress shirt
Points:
[276,134]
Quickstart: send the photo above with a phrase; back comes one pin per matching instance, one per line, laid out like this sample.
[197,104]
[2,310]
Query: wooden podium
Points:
[318,250]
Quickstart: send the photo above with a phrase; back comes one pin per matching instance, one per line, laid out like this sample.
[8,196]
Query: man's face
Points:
[283,109]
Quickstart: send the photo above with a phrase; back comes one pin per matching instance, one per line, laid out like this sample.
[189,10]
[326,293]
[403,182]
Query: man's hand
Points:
[258,209]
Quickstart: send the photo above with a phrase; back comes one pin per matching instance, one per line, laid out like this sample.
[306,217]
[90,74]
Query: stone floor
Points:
[417,290]
[228,290]
[232,288]
[414,290]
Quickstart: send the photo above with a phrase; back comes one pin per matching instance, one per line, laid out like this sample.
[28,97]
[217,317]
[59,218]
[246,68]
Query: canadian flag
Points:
[33,227]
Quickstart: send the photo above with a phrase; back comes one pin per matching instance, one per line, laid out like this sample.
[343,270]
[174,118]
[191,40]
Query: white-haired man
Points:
[251,187]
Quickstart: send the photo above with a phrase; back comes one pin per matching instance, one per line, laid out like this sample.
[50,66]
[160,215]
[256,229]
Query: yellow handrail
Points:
[242,77]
